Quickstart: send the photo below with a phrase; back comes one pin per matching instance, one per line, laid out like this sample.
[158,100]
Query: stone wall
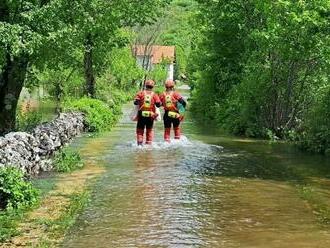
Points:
[32,152]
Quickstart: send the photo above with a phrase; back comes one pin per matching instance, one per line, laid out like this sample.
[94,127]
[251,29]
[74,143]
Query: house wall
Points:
[170,72]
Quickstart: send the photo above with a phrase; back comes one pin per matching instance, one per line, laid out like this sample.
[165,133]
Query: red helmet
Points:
[169,84]
[150,83]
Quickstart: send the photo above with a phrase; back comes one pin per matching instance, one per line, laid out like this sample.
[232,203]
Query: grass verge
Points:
[317,202]
[57,228]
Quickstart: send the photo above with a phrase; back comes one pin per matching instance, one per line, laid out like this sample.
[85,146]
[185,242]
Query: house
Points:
[149,56]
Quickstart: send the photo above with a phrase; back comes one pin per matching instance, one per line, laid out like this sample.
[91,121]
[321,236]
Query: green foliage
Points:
[99,116]
[8,223]
[60,82]
[159,73]
[113,96]
[15,191]
[48,37]
[28,120]
[179,32]
[118,84]
[317,202]
[67,161]
[257,64]
[57,228]
[123,70]
[77,204]
[184,3]
[316,132]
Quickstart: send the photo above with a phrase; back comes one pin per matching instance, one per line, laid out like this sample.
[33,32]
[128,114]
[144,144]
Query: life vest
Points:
[148,106]
[170,102]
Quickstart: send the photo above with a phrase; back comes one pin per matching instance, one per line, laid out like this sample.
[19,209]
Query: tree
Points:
[25,28]
[259,62]
[50,33]
[100,22]
[180,32]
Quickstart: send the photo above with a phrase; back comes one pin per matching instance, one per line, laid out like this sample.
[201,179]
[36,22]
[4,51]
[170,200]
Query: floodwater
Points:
[207,190]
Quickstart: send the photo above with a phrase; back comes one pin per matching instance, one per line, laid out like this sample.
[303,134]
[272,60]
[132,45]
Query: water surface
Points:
[208,190]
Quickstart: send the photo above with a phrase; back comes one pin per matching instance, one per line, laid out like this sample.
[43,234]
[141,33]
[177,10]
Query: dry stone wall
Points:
[32,152]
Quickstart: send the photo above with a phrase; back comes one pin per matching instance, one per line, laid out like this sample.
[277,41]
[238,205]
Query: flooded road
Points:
[206,191]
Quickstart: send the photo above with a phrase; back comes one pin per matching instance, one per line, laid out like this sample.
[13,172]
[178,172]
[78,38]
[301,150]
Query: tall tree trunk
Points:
[88,65]
[11,84]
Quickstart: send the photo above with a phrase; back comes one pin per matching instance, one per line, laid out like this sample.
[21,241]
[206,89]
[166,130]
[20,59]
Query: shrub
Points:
[110,91]
[99,116]
[15,191]
[66,161]
[316,130]
[8,223]
[184,3]
[28,120]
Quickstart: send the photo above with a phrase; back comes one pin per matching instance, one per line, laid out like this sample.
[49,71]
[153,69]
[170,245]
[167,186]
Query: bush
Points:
[114,97]
[316,131]
[99,116]
[28,120]
[8,223]
[66,161]
[15,191]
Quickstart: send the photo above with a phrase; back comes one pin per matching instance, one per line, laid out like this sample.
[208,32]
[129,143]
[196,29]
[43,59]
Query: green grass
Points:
[45,185]
[57,228]
[9,220]
[100,116]
[316,201]
[67,160]
[69,216]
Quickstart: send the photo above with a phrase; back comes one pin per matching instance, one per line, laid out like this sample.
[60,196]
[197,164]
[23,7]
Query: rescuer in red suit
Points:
[170,99]
[147,101]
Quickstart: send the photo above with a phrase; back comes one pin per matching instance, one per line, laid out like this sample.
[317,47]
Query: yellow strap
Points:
[146,113]
[173,114]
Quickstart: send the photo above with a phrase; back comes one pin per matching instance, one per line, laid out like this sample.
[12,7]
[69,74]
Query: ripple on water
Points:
[190,194]
[184,142]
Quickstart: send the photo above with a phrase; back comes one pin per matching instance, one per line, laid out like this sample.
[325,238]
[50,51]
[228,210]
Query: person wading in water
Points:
[147,101]
[170,101]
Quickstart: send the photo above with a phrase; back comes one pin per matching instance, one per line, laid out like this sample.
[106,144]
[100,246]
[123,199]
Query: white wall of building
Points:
[170,72]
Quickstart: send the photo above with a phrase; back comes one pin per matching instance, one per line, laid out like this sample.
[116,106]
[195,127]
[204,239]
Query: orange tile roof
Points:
[157,53]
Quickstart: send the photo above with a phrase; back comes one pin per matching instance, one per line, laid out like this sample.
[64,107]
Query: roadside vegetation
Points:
[44,47]
[261,69]
[20,194]
[317,201]
[67,160]
[54,60]
[17,195]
